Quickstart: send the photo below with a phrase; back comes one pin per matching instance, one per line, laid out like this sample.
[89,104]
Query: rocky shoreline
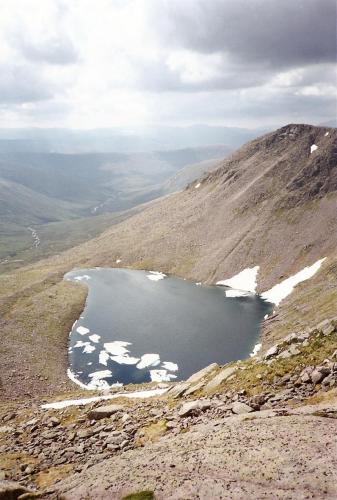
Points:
[40,448]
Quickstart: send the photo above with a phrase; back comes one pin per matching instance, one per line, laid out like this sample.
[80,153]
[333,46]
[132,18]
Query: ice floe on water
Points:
[82,330]
[103,358]
[245,280]
[256,349]
[89,348]
[58,405]
[98,379]
[279,292]
[148,360]
[168,365]
[156,276]
[94,338]
[124,360]
[80,343]
[313,148]
[161,376]
[117,351]
[117,348]
[83,277]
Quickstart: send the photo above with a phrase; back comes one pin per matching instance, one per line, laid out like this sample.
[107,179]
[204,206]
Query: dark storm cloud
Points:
[158,77]
[277,33]
[275,108]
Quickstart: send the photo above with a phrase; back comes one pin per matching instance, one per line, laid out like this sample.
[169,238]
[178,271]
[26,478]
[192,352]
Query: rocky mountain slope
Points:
[272,204]
[260,427]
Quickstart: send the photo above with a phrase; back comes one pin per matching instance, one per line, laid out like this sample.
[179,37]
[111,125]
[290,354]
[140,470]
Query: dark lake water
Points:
[139,326]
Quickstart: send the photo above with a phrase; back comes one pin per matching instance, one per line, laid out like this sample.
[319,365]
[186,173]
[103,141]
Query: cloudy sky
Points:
[128,63]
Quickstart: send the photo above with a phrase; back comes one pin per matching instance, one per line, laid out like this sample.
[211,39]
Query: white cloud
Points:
[138,62]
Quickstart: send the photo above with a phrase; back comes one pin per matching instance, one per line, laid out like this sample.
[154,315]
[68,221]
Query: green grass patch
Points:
[140,495]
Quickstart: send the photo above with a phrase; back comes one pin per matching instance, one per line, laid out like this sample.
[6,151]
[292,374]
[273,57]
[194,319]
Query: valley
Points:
[270,206]
[72,198]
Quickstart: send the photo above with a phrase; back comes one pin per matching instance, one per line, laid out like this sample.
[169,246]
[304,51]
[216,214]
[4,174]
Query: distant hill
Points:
[43,188]
[159,138]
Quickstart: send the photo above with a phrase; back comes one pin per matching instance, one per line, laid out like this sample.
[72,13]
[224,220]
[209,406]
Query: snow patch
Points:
[148,360]
[245,280]
[58,405]
[283,289]
[82,330]
[313,148]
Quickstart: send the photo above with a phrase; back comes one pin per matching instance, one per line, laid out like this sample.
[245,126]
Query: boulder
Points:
[305,378]
[329,381]
[194,407]
[327,327]
[240,408]
[104,411]
[11,490]
[53,421]
[194,388]
[178,390]
[271,352]
[257,401]
[319,374]
[292,338]
[5,429]
[223,375]
[202,373]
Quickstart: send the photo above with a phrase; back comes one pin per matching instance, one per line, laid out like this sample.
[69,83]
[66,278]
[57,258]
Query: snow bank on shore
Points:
[245,280]
[280,291]
[58,405]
